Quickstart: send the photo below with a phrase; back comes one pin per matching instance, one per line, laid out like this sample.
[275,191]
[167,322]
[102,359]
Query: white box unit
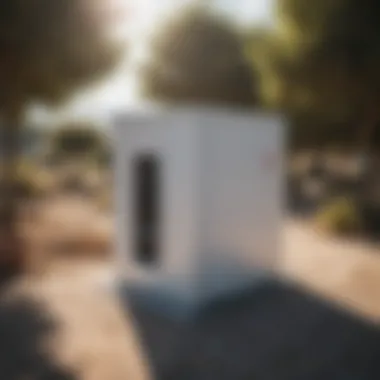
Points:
[199,200]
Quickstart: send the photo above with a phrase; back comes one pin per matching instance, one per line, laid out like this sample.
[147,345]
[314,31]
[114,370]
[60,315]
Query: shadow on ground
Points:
[276,332]
[25,330]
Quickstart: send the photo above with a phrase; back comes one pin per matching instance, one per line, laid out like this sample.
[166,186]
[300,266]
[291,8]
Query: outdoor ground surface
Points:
[345,271]
[97,341]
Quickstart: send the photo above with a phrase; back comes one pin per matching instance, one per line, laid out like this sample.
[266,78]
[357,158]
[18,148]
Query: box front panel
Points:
[157,176]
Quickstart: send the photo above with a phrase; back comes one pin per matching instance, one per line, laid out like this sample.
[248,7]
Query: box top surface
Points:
[149,113]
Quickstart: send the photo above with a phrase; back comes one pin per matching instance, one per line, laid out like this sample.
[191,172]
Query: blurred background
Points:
[67,67]
[317,65]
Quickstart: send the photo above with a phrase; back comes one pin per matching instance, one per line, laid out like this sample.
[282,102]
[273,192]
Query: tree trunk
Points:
[12,254]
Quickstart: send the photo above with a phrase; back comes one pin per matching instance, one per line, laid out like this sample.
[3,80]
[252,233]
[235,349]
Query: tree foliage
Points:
[338,51]
[48,49]
[322,61]
[199,58]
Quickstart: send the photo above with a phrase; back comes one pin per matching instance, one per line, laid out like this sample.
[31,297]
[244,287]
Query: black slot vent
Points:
[147,198]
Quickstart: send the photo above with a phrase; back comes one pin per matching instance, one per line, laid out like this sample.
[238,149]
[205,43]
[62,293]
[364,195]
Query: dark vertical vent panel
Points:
[147,199]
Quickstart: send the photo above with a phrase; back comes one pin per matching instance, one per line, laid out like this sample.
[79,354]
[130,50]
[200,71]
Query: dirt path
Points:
[64,326]
[347,272]
[62,323]
[94,338]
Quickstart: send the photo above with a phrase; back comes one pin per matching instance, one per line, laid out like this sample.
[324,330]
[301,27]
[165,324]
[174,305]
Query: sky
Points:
[136,22]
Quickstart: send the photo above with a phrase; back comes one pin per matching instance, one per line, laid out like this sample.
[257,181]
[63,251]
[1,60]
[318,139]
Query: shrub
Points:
[339,216]
[31,181]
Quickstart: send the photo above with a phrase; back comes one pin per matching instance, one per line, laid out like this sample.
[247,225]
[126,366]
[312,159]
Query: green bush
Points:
[32,182]
[339,216]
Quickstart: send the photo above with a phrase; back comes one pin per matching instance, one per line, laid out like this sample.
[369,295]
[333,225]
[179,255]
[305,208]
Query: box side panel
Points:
[242,192]
[172,141]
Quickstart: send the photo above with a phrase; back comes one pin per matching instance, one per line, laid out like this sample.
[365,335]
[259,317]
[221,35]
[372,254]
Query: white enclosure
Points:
[199,199]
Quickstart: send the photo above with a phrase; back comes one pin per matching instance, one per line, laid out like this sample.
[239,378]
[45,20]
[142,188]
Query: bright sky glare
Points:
[141,18]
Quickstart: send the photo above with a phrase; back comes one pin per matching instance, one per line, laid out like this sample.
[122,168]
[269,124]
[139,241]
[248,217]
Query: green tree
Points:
[199,58]
[321,62]
[268,57]
[334,46]
[48,49]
